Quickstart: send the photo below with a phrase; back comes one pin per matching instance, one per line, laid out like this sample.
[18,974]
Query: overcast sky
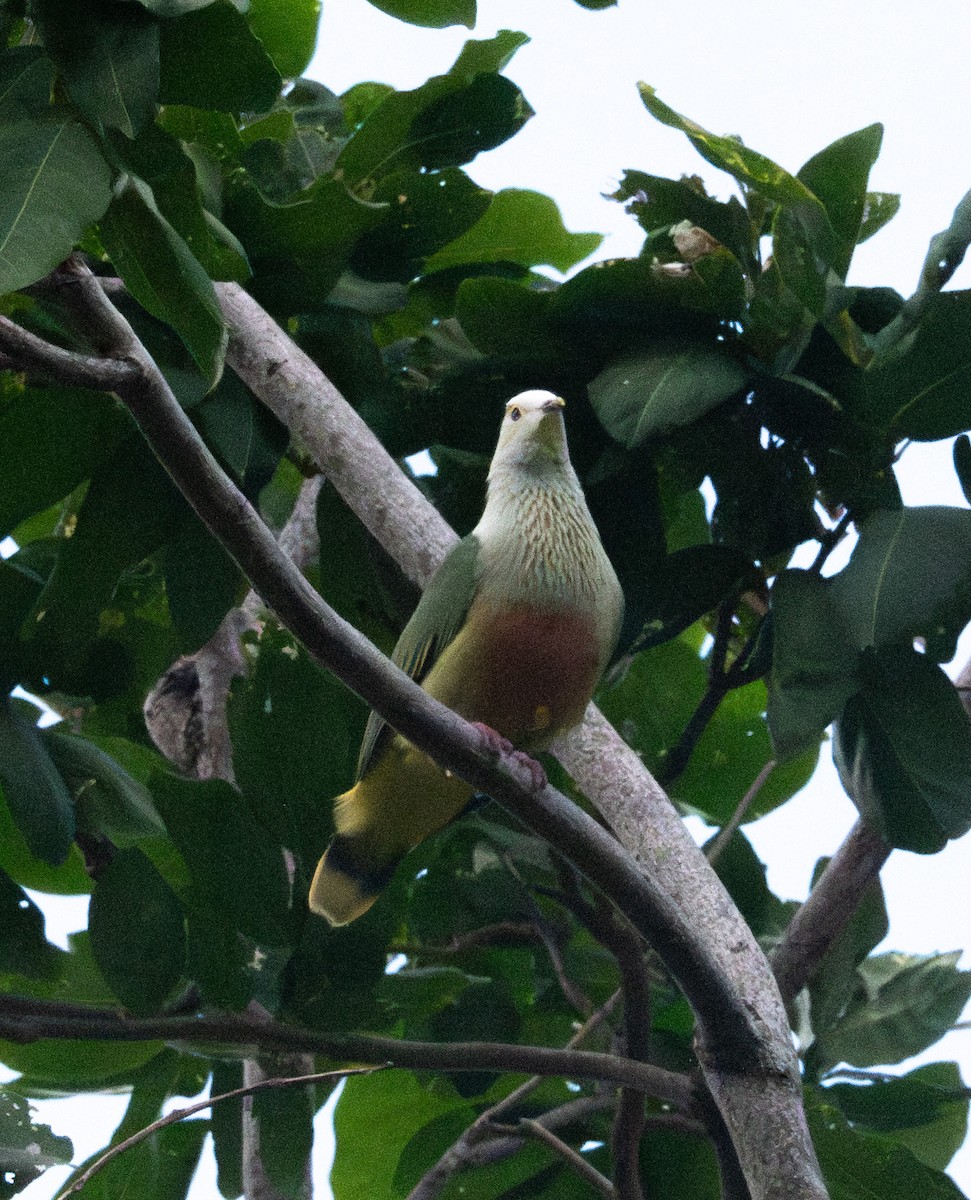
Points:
[788,78]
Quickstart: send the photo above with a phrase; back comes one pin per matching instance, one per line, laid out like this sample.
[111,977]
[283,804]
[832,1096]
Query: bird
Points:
[513,632]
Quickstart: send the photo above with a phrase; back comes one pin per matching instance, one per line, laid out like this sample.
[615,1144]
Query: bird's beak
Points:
[554,403]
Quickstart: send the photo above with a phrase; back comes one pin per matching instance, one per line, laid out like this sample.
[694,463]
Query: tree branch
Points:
[744,1044]
[575,1161]
[180,1114]
[834,899]
[25,351]
[27,1019]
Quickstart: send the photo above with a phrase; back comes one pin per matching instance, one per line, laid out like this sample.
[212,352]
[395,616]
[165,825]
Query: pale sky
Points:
[788,78]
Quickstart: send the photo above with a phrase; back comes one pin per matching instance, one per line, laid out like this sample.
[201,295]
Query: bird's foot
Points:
[498,745]
[493,742]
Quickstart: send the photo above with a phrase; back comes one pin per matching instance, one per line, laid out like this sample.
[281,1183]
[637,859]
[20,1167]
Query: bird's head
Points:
[532,434]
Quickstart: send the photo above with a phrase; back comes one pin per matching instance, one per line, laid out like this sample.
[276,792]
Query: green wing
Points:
[439,616]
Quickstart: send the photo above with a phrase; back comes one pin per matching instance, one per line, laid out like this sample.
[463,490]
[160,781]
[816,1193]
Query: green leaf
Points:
[658,204]
[714,782]
[922,392]
[416,993]
[284,1119]
[24,950]
[126,514]
[233,861]
[488,54]
[288,32]
[163,274]
[54,184]
[286,769]
[904,1004]
[645,394]
[504,318]
[26,78]
[961,452]
[909,577]
[110,803]
[522,227]
[926,1110]
[425,212]
[109,58]
[445,122]
[137,932]
[212,59]
[455,128]
[226,1124]
[813,663]
[903,750]
[168,1160]
[861,1166]
[21,864]
[38,798]
[27,1149]
[53,438]
[832,986]
[838,176]
[880,208]
[395,1103]
[690,583]
[202,583]
[432,14]
[751,169]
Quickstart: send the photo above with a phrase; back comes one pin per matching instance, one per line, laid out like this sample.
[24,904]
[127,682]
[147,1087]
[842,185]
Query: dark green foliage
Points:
[729,400]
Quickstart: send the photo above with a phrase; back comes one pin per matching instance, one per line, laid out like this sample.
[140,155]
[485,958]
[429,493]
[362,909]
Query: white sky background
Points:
[789,78]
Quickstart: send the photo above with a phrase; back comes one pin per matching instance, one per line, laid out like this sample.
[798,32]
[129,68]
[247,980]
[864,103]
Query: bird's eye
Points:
[515,414]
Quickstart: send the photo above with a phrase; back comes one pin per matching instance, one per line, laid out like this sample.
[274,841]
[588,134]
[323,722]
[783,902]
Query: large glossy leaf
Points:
[26,76]
[910,576]
[137,932]
[751,169]
[110,803]
[813,662]
[903,750]
[922,393]
[212,59]
[904,1003]
[457,126]
[288,31]
[55,182]
[673,384]
[395,1103]
[433,14]
[38,798]
[233,861]
[27,1148]
[926,1110]
[53,438]
[838,177]
[522,227]
[163,274]
[284,1121]
[109,58]
[30,871]
[860,1166]
[23,948]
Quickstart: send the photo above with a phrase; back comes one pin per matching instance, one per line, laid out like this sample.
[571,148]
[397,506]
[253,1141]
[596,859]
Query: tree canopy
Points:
[231,303]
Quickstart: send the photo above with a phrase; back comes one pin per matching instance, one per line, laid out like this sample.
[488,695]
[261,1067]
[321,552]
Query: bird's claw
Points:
[498,745]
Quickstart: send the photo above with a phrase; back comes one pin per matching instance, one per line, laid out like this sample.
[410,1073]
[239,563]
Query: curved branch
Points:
[831,903]
[25,351]
[744,1043]
[26,1019]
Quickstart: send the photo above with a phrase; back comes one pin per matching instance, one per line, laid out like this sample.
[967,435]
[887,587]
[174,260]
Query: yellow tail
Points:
[338,894]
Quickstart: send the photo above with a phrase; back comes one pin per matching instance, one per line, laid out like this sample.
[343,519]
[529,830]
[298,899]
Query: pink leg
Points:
[496,744]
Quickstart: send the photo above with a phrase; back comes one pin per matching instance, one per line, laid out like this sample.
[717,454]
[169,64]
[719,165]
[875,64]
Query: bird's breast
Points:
[527,673]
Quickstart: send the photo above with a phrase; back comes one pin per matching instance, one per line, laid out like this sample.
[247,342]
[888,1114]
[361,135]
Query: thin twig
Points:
[461,1152]
[727,832]
[180,1114]
[571,1157]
